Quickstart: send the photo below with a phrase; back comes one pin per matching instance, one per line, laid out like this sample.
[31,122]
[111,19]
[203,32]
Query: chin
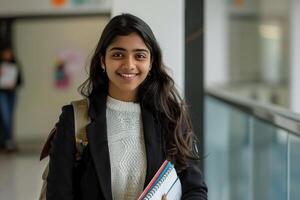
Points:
[129,90]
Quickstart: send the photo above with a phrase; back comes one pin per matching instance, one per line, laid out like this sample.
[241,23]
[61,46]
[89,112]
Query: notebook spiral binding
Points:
[155,188]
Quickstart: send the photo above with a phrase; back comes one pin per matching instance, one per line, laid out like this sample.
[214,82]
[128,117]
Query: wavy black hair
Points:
[157,92]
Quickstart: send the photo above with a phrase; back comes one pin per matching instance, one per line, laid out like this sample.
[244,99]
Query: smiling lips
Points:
[127,76]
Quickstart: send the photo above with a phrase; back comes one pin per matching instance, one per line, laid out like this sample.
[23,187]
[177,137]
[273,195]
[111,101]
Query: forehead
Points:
[128,42]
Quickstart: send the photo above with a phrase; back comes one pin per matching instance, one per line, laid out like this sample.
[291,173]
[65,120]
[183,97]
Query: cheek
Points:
[146,68]
[111,67]
[109,71]
[110,74]
[145,73]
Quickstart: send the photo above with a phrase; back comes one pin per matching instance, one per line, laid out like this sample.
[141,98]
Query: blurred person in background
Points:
[10,79]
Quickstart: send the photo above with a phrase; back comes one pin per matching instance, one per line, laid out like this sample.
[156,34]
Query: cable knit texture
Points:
[126,149]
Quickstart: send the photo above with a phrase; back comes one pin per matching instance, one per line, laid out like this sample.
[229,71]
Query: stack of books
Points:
[165,181]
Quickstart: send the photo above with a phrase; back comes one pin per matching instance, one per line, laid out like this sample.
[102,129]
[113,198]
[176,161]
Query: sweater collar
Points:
[123,106]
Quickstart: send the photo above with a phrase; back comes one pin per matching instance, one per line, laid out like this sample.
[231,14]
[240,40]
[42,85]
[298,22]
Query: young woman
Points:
[137,121]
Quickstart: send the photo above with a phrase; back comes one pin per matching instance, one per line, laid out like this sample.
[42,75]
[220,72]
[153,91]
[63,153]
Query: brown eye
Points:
[117,55]
[141,56]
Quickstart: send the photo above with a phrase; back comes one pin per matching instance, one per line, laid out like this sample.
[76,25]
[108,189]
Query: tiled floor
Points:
[20,175]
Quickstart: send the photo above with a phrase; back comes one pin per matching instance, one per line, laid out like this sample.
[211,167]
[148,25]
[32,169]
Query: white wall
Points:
[39,43]
[166,18]
[215,42]
[44,7]
[295,59]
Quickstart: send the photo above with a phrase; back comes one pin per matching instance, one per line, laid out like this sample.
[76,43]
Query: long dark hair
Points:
[157,92]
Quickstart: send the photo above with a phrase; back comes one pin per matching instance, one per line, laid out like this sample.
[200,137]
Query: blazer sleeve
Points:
[62,158]
[193,186]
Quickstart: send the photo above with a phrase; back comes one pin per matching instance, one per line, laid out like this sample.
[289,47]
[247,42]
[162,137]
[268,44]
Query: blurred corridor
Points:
[20,173]
[235,62]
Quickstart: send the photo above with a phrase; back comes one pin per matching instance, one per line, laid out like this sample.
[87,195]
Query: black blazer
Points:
[94,178]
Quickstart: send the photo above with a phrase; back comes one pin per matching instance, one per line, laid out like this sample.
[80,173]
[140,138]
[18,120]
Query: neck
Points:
[123,95]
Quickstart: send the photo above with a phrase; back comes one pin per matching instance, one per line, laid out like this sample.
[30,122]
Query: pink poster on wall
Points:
[69,64]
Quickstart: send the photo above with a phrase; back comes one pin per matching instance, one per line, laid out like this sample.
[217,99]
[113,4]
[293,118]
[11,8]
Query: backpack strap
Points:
[81,119]
[46,148]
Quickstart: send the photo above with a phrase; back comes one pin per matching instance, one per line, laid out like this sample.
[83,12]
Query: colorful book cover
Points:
[165,181]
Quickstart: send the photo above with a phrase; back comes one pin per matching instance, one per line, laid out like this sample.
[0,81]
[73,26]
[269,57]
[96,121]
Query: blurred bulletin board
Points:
[16,8]
[40,44]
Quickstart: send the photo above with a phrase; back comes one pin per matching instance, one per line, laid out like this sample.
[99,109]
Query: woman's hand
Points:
[164,197]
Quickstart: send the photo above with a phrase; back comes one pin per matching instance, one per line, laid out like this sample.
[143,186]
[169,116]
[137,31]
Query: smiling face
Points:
[127,63]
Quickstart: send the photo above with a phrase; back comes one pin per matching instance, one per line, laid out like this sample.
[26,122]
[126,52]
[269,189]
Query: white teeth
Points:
[128,75]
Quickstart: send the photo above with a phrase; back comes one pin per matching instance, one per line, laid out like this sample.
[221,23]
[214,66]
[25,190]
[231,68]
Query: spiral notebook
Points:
[165,181]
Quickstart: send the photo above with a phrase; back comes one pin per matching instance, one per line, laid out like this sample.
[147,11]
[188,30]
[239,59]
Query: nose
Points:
[129,63]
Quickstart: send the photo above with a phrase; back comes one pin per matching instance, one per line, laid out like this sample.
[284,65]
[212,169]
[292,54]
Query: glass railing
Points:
[252,152]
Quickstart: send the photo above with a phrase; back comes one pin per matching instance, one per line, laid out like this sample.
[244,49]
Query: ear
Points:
[102,60]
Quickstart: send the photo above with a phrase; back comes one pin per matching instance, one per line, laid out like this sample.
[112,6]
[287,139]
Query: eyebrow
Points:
[134,50]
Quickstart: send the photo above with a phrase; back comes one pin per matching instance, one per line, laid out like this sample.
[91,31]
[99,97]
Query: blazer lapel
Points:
[153,143]
[97,137]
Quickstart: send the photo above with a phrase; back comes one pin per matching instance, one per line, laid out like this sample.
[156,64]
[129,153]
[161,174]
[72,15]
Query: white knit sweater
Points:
[126,149]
